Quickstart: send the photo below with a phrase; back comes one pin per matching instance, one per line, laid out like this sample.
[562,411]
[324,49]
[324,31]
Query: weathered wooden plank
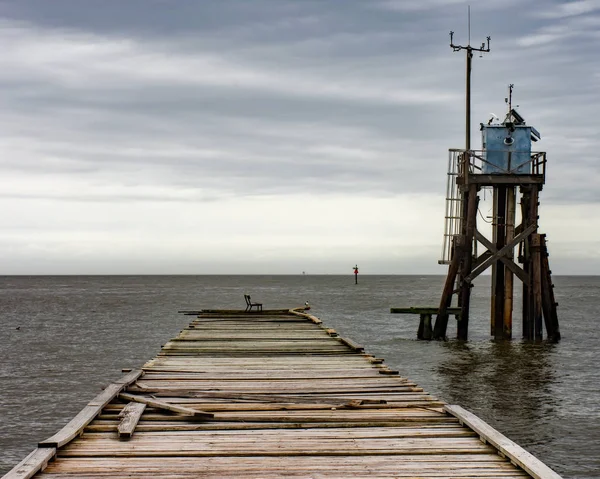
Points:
[292,466]
[314,391]
[245,325]
[130,416]
[262,362]
[164,405]
[510,449]
[226,374]
[458,474]
[243,405]
[237,452]
[244,352]
[34,462]
[239,337]
[423,310]
[293,383]
[444,430]
[89,412]
[281,398]
[310,317]
[352,345]
[433,461]
[333,475]
[182,424]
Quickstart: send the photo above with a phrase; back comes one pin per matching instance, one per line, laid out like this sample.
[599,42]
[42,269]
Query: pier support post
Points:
[499,285]
[508,274]
[495,264]
[529,212]
[536,280]
[548,301]
[441,320]
[425,331]
[465,286]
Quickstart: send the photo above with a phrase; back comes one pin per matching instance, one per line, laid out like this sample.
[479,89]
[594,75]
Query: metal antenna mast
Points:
[470,51]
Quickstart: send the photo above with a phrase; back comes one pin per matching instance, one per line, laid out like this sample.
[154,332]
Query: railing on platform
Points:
[497,162]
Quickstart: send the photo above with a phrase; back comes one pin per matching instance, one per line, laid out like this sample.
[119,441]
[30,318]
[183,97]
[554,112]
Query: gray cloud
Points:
[140,102]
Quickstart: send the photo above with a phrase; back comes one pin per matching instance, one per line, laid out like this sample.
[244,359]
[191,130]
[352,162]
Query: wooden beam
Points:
[166,406]
[351,344]
[494,265]
[548,300]
[312,318]
[498,254]
[462,327]
[515,269]
[483,256]
[425,331]
[525,259]
[275,398]
[499,270]
[499,179]
[130,416]
[76,425]
[32,464]
[526,461]
[423,310]
[508,273]
[536,280]
[508,262]
[441,320]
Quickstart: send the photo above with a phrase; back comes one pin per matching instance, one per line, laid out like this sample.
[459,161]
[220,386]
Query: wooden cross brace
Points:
[492,255]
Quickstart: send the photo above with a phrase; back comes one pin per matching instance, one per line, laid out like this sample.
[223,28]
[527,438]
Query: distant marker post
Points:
[356,274]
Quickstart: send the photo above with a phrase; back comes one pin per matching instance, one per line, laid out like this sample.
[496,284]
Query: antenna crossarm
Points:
[483,48]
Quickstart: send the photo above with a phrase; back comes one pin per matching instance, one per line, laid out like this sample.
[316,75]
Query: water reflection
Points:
[503,379]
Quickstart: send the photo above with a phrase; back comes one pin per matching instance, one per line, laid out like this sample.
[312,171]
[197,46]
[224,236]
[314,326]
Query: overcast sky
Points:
[277,136]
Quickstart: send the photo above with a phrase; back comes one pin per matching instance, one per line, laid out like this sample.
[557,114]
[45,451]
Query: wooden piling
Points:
[495,264]
[508,274]
[525,259]
[425,331]
[499,284]
[534,308]
[536,280]
[548,300]
[441,321]
[467,263]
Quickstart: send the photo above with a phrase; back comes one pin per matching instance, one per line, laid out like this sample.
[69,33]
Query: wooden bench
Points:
[425,330]
[250,304]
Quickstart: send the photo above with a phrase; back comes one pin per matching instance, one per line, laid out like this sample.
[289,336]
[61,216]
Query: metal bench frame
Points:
[250,304]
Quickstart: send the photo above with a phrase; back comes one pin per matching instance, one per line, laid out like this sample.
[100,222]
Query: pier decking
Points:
[272,394]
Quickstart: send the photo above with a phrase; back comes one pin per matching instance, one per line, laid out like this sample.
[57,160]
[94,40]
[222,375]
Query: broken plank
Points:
[76,425]
[169,407]
[352,345]
[34,462]
[130,416]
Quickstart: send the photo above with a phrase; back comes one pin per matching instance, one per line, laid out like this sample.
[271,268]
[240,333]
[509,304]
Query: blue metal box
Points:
[507,149]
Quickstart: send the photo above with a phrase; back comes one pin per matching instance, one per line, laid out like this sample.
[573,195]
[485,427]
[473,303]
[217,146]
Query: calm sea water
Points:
[75,334]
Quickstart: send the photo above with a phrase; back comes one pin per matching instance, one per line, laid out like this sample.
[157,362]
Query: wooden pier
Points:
[272,394]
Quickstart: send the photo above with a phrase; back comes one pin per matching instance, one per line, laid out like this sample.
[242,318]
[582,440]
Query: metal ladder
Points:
[452,223]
